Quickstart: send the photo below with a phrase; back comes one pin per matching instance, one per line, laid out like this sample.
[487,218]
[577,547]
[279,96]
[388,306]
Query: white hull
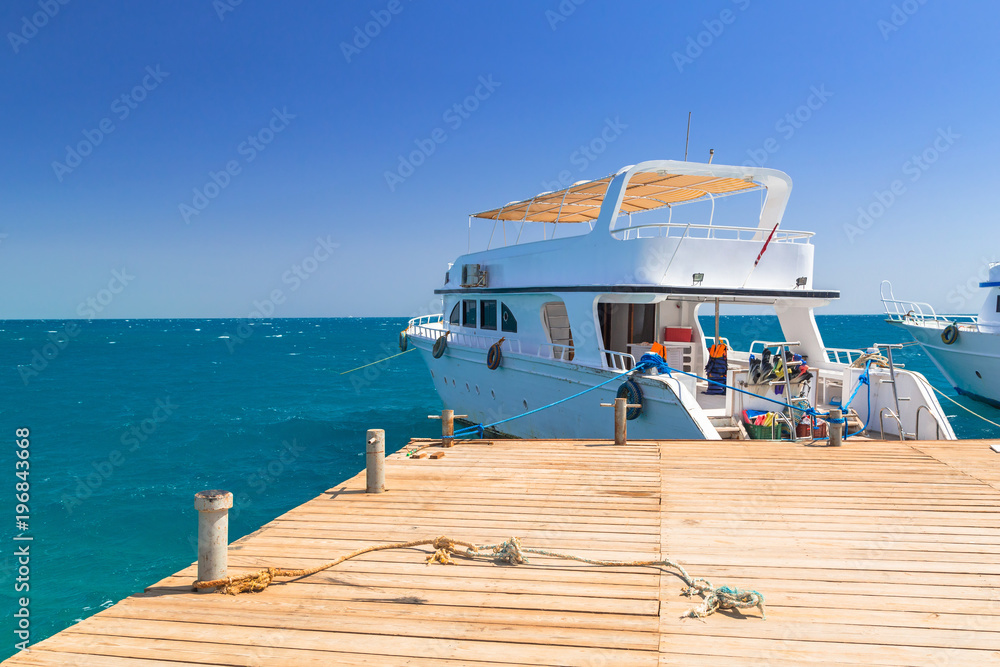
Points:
[971,364]
[524,383]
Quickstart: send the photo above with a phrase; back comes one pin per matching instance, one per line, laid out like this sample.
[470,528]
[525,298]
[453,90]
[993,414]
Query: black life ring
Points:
[403,341]
[950,334]
[439,346]
[494,356]
[630,391]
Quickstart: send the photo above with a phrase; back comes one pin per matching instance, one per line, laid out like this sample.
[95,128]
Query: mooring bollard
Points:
[447,418]
[447,427]
[375,460]
[213,534]
[836,426]
[621,406]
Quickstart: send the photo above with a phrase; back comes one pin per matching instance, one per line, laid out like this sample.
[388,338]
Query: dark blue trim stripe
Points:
[997,284]
[977,397]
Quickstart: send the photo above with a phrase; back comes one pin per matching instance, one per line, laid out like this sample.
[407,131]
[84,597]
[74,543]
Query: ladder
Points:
[889,347]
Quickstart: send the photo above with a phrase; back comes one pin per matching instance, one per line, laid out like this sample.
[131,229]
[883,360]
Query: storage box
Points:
[677,334]
[772,432]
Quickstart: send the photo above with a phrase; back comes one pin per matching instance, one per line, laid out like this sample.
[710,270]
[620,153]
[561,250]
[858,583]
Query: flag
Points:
[764,249]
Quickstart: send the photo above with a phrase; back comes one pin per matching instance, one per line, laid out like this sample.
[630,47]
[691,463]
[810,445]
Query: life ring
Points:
[630,391]
[439,346]
[950,334]
[403,341]
[495,355]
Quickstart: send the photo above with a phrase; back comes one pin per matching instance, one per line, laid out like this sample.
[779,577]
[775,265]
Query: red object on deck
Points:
[677,334]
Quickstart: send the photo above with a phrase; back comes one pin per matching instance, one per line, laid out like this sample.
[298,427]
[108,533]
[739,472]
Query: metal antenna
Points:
[687,139]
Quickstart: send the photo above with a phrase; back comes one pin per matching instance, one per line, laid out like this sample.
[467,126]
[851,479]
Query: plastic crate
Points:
[772,432]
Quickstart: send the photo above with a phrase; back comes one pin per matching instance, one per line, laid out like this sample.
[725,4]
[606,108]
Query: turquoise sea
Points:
[129,419]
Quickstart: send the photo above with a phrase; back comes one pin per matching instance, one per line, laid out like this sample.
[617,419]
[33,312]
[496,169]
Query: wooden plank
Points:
[879,553]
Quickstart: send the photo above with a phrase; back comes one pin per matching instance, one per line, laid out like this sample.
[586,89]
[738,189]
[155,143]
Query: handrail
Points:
[937,422]
[712,339]
[711,232]
[620,361]
[467,339]
[566,352]
[921,313]
[786,344]
[881,425]
[833,355]
[425,319]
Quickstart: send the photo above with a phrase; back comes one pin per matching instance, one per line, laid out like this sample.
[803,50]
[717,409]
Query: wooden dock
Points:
[874,553]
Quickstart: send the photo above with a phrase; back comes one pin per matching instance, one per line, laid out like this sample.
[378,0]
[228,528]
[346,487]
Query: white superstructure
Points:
[577,310]
[965,348]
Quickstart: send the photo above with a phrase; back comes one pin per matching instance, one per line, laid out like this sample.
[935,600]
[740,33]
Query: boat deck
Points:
[876,553]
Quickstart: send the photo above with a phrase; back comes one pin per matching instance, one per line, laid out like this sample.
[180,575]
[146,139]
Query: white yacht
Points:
[629,269]
[965,348]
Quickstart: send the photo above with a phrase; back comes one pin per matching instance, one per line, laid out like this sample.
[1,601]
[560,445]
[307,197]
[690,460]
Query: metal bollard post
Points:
[447,418]
[375,460]
[620,430]
[621,406]
[447,428]
[836,427]
[213,534]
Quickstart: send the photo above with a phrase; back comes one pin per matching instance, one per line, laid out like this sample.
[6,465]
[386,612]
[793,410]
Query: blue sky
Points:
[231,151]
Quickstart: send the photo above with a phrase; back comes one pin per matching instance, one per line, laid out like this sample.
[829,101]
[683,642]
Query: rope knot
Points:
[444,548]
[510,552]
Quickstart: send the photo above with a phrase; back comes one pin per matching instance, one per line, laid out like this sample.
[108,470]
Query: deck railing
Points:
[922,314]
[556,351]
[618,361]
[842,355]
[459,338]
[681,230]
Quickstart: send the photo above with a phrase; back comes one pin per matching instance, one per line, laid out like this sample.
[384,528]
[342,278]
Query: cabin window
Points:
[468,312]
[998,304]
[507,321]
[488,314]
[453,319]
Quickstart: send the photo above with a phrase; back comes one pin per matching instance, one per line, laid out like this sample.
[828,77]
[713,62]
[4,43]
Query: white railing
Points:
[710,341]
[842,355]
[921,314]
[424,331]
[457,337]
[556,351]
[618,361]
[425,319]
[681,230]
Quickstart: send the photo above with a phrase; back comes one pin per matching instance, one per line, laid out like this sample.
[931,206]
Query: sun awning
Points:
[646,191]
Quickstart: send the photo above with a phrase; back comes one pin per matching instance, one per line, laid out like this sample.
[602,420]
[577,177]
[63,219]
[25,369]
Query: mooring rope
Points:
[960,405]
[510,552]
[379,361]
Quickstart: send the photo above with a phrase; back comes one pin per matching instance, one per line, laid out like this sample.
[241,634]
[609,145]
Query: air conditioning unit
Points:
[473,275]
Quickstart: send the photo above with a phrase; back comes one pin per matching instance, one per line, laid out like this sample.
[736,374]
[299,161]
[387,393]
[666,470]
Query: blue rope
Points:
[867,380]
[651,361]
[864,378]
[480,429]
